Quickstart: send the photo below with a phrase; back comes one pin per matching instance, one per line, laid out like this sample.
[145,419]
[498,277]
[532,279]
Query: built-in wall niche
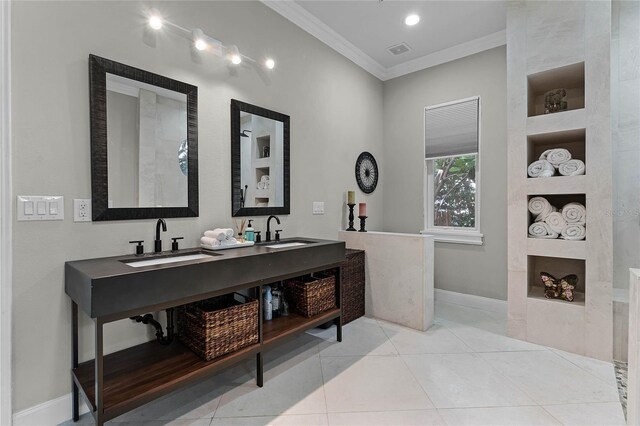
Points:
[559,201]
[570,78]
[571,140]
[263,146]
[559,268]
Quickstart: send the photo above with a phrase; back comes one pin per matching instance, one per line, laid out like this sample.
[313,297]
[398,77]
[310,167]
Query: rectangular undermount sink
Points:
[286,245]
[138,263]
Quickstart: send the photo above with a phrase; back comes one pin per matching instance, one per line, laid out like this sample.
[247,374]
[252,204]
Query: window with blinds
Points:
[451,148]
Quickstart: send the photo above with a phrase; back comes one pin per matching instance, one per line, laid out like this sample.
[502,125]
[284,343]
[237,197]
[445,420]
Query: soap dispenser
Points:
[249,233]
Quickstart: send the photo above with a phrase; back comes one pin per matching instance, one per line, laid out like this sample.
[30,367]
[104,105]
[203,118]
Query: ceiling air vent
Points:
[399,49]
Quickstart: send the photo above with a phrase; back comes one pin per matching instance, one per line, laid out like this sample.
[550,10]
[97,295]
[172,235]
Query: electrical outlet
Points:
[82,210]
[318,207]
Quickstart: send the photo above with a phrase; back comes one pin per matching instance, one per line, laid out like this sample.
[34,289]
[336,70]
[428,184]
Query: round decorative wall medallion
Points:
[367,172]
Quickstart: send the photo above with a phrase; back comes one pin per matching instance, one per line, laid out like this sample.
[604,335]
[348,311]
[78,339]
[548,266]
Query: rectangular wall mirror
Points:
[260,161]
[144,144]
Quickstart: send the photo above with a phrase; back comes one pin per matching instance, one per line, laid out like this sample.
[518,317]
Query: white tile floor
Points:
[463,371]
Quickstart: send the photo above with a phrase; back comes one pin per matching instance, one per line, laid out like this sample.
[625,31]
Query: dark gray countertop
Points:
[107,287]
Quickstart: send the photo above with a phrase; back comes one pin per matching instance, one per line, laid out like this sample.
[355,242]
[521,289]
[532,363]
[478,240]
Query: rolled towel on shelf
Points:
[264,178]
[218,234]
[541,168]
[574,213]
[572,168]
[556,156]
[209,242]
[542,230]
[230,233]
[540,207]
[574,231]
[556,222]
[261,185]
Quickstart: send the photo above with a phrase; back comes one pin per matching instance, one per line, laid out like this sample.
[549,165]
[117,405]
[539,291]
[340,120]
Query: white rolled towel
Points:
[542,230]
[574,213]
[218,234]
[574,231]
[540,207]
[261,185]
[264,178]
[209,242]
[541,168]
[229,241]
[556,156]
[572,168]
[229,232]
[556,222]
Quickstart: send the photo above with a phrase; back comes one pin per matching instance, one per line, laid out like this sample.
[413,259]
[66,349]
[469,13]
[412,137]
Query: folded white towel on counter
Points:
[574,231]
[229,241]
[210,242]
[264,178]
[556,222]
[556,156]
[542,230]
[229,232]
[218,234]
[574,213]
[541,168]
[541,208]
[572,168]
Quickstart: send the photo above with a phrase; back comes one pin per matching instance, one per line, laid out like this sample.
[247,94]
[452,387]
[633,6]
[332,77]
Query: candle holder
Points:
[351,217]
[362,221]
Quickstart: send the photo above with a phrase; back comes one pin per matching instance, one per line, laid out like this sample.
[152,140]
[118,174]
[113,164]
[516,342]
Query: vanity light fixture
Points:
[411,20]
[203,42]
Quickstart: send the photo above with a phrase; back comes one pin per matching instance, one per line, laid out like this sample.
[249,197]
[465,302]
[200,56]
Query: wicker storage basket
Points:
[311,295]
[220,325]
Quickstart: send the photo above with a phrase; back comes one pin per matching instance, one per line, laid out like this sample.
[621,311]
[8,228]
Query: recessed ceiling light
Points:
[411,20]
[270,63]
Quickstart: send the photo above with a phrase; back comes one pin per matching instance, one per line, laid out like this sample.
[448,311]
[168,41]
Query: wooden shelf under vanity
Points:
[281,328]
[142,373]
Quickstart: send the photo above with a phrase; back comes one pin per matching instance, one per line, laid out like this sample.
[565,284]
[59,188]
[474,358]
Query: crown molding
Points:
[312,25]
[447,55]
[305,20]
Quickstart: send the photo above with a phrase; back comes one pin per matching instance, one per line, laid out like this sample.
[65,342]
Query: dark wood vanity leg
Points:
[259,370]
[74,357]
[338,320]
[99,373]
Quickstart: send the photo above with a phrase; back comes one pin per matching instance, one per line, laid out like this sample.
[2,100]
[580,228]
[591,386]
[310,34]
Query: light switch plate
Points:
[318,207]
[40,207]
[82,209]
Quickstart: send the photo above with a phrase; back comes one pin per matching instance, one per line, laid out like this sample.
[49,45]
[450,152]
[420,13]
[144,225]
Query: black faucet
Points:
[158,241]
[268,234]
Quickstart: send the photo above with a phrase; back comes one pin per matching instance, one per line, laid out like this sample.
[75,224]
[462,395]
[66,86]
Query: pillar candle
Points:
[362,209]
[351,197]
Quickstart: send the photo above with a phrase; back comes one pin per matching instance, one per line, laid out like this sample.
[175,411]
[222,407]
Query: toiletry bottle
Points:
[275,302]
[249,234]
[268,307]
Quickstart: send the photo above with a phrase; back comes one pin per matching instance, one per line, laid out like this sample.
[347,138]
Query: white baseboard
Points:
[471,301]
[48,413]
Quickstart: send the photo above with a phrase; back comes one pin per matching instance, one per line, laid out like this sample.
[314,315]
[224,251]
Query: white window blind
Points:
[451,129]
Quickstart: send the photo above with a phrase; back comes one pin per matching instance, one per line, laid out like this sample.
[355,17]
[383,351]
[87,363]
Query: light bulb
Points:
[236,59]
[411,20]
[200,44]
[155,20]
[234,55]
[269,63]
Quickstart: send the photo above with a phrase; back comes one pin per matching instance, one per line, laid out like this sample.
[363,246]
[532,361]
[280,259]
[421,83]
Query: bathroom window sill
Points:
[455,236]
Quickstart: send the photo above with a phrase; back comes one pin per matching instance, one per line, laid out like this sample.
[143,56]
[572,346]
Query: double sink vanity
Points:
[144,165]
[116,288]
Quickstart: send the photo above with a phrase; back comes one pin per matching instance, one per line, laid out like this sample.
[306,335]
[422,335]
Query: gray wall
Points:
[478,270]
[323,92]
[625,127]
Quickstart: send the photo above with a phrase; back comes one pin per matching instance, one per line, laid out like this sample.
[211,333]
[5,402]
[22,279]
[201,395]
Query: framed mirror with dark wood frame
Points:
[144,143]
[259,161]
